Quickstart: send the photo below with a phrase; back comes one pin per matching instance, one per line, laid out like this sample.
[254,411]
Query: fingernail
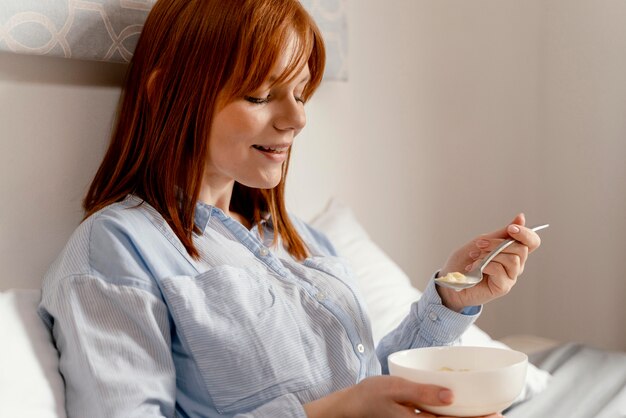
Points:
[482,243]
[468,267]
[514,229]
[446,396]
[474,254]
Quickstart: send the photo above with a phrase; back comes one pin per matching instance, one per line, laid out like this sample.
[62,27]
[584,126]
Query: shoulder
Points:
[120,229]
[109,245]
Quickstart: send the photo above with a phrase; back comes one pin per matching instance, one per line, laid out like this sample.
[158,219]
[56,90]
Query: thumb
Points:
[520,219]
[412,393]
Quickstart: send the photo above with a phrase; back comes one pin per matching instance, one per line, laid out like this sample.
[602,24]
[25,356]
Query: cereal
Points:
[454,277]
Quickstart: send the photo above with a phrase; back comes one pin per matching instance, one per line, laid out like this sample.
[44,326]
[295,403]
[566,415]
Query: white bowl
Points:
[484,380]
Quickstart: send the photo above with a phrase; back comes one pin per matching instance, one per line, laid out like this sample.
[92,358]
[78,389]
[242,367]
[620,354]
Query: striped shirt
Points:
[144,330]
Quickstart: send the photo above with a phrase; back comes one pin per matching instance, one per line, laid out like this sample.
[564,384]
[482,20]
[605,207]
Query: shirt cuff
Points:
[468,310]
[440,325]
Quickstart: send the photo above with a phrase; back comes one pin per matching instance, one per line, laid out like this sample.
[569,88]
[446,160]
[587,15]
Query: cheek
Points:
[231,137]
[239,121]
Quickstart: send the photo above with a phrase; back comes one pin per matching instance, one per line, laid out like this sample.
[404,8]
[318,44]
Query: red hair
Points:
[190,52]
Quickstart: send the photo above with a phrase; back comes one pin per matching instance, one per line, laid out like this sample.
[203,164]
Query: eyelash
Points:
[257,100]
[264,100]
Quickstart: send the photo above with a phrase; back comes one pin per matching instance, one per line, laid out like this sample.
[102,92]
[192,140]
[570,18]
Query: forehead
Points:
[281,57]
[291,61]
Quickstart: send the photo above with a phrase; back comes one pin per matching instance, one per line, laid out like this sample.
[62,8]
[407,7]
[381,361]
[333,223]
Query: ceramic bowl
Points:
[484,380]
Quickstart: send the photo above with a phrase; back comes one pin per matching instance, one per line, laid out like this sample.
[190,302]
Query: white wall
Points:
[583,171]
[457,114]
[55,116]
[460,114]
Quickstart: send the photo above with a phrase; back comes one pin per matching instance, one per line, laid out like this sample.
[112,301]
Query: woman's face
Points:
[251,136]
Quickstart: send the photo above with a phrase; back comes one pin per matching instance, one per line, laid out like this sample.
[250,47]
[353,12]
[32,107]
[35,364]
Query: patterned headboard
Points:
[107,30]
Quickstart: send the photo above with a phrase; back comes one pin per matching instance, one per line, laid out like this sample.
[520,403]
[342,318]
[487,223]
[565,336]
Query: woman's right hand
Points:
[380,397]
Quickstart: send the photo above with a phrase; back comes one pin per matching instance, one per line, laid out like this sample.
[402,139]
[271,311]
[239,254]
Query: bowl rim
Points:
[392,358]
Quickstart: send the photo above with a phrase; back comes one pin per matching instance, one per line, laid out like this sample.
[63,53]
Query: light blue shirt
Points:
[144,330]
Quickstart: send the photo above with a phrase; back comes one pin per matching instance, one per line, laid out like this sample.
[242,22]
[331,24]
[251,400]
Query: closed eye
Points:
[257,100]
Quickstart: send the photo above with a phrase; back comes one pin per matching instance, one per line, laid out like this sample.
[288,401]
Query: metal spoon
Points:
[472,278]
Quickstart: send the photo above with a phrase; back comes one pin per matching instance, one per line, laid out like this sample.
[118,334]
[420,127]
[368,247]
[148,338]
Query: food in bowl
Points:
[484,380]
[449,369]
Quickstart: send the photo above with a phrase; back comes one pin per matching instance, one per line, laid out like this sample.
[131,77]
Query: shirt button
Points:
[433,316]
[264,251]
[320,296]
[360,348]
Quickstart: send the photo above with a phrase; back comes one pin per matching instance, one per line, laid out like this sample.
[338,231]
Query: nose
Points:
[291,116]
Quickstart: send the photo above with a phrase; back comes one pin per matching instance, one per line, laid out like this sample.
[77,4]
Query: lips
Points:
[273,149]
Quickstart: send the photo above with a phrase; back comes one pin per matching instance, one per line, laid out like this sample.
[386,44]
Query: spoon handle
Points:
[505,244]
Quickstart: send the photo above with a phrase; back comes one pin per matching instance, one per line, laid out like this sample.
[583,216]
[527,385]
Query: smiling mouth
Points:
[280,149]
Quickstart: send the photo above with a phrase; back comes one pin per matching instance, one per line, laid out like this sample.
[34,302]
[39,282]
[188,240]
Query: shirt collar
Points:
[202,216]
[204,211]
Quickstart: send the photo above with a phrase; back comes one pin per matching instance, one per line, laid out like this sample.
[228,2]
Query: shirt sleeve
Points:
[115,348]
[429,323]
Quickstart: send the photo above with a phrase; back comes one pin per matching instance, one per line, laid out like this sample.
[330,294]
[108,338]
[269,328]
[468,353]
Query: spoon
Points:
[472,278]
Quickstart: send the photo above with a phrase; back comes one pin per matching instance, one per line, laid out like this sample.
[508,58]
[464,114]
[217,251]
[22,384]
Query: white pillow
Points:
[387,290]
[30,383]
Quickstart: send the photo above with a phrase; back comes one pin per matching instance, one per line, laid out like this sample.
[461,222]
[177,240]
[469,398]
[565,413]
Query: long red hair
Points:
[188,53]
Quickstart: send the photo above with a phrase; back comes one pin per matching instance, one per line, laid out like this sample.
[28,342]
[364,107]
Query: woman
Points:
[188,290]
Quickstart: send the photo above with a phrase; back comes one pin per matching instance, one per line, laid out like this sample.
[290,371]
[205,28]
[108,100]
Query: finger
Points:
[510,262]
[411,393]
[519,219]
[520,250]
[525,235]
[521,253]
[476,254]
[517,249]
[498,280]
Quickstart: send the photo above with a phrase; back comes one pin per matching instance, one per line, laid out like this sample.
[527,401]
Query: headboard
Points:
[108,30]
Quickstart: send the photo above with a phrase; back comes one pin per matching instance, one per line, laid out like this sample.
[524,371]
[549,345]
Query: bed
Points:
[565,379]
[585,382]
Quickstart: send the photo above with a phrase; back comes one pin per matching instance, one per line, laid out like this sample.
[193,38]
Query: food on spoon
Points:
[454,277]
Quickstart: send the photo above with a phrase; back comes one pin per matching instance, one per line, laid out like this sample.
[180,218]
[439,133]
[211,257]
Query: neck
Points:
[220,197]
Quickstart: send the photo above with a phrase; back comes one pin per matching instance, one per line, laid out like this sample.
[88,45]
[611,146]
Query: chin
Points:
[264,183]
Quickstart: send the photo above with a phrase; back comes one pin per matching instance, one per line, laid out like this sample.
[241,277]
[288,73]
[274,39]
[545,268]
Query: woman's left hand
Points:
[427,415]
[500,275]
